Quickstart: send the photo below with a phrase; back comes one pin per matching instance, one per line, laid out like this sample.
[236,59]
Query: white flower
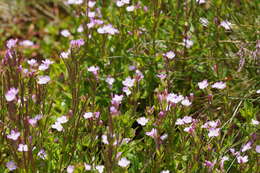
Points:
[91,4]
[43,80]
[117,99]
[123,162]
[186,102]
[258,91]
[219,85]
[129,82]
[100,168]
[213,132]
[22,147]
[201,1]
[57,126]
[110,80]
[70,169]
[65,33]
[242,159]
[223,159]
[152,133]
[80,29]
[13,135]
[26,43]
[257,148]
[226,24]
[254,122]
[130,8]
[119,3]
[88,115]
[11,165]
[42,154]
[11,94]
[163,137]
[32,62]
[204,21]
[104,139]
[174,98]
[203,84]
[65,55]
[179,121]
[170,54]
[187,43]
[62,120]
[87,167]
[127,91]
[76,2]
[165,171]
[142,121]
[91,14]
[187,119]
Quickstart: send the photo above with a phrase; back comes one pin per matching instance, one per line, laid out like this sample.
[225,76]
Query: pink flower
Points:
[11,165]
[77,43]
[170,55]
[45,65]
[219,85]
[161,76]
[13,135]
[209,164]
[11,43]
[246,147]
[152,133]
[129,82]
[94,70]
[189,129]
[203,84]
[11,94]
[43,80]
[139,75]
[242,159]
[117,99]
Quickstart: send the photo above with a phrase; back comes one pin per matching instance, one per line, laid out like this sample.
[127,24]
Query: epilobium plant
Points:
[131,86]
